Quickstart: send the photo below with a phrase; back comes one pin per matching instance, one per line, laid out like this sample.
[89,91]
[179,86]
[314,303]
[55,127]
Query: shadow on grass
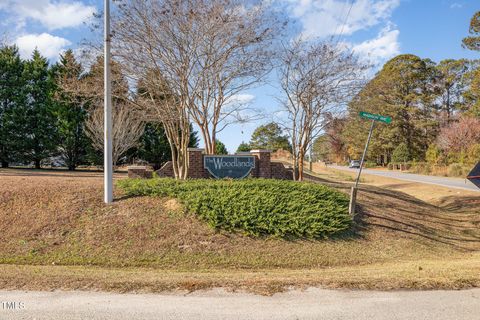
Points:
[448,223]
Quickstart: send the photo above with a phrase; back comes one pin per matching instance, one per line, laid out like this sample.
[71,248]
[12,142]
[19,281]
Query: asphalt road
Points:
[218,304]
[456,183]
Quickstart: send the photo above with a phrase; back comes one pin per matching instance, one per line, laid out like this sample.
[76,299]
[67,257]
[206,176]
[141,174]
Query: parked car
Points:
[354,164]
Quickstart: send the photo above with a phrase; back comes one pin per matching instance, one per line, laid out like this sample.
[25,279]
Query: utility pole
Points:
[108,166]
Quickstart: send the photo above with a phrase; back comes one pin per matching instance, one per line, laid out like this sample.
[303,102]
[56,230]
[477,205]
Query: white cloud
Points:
[381,48]
[456,5]
[50,46]
[52,14]
[241,98]
[323,18]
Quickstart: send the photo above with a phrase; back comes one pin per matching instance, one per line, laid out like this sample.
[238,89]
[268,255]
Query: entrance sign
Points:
[235,167]
[474,175]
[375,117]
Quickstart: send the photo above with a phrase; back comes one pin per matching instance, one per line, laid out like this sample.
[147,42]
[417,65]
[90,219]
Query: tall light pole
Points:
[107,167]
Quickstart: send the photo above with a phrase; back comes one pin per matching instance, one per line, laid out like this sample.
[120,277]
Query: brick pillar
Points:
[195,163]
[263,169]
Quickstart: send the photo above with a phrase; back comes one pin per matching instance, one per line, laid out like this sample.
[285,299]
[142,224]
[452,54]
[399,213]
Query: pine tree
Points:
[270,137]
[70,113]
[244,147]
[154,146]
[220,147]
[403,90]
[38,132]
[473,41]
[11,98]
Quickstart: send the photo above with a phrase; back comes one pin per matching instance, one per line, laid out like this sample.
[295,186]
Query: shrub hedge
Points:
[255,206]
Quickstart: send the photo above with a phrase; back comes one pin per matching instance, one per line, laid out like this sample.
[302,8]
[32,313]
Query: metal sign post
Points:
[373,117]
[107,167]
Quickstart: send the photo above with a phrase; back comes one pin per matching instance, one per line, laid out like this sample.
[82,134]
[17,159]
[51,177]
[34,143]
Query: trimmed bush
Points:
[255,206]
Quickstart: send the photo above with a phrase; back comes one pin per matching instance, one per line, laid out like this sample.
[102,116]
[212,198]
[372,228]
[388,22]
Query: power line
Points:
[345,21]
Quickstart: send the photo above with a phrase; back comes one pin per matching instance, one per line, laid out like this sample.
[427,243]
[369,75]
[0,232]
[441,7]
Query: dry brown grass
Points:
[50,217]
[453,274]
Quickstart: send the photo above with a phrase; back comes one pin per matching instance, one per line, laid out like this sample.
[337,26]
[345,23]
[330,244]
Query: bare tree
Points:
[317,78]
[207,51]
[127,128]
[157,102]
[87,91]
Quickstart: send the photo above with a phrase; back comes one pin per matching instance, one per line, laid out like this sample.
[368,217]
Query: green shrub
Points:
[255,206]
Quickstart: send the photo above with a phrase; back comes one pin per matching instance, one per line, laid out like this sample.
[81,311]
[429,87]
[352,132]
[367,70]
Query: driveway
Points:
[218,304]
[456,183]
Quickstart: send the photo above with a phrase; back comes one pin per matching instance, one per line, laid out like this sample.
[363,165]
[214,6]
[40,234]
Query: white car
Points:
[354,164]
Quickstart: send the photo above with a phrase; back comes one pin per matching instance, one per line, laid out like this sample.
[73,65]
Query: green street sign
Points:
[375,117]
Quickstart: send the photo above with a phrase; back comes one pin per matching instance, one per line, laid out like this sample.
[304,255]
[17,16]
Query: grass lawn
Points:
[57,233]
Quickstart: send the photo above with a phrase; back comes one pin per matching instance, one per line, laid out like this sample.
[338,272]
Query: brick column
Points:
[195,163]
[263,168]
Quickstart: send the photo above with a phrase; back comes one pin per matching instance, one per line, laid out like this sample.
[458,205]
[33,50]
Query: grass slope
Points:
[58,218]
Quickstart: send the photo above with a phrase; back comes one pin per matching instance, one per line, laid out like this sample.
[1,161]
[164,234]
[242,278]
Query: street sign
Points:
[375,117]
[474,175]
[235,167]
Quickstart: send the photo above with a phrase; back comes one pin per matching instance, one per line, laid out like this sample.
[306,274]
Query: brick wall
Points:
[135,172]
[279,171]
[264,167]
[166,170]
[262,163]
[195,164]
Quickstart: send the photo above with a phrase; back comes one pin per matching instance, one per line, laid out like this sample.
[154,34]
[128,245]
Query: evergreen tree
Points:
[70,114]
[401,153]
[154,146]
[244,147]
[452,83]
[473,42]
[403,90]
[11,98]
[220,147]
[38,131]
[270,137]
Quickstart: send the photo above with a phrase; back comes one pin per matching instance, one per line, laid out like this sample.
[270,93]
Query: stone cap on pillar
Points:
[260,151]
[196,149]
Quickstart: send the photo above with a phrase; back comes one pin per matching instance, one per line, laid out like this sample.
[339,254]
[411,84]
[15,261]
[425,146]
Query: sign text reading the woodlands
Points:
[235,167]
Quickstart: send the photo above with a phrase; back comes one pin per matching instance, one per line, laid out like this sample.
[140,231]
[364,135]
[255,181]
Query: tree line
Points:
[184,64]
[53,114]
[435,110]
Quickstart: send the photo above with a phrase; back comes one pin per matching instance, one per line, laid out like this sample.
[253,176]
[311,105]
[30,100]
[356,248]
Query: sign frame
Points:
[474,175]
[208,158]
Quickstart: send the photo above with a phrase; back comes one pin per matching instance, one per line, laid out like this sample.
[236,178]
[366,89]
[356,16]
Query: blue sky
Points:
[376,29]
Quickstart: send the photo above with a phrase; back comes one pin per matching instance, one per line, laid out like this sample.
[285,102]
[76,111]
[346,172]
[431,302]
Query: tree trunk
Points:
[300,167]
[294,172]
[71,167]
[4,164]
[37,164]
